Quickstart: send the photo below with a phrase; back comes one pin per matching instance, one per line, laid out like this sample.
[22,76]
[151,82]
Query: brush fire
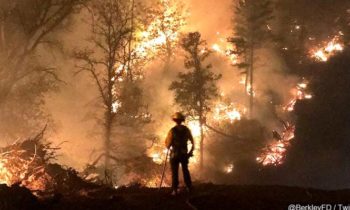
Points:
[330,48]
[138,88]
[24,163]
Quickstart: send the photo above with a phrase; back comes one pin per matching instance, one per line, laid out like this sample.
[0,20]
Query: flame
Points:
[116,106]
[298,93]
[17,167]
[229,168]
[330,48]
[154,182]
[163,32]
[159,157]
[216,48]
[275,152]
[231,112]
[224,48]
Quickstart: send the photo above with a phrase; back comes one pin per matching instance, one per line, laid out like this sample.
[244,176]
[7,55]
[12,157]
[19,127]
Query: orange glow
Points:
[17,167]
[329,49]
[274,153]
[298,93]
[229,168]
[222,47]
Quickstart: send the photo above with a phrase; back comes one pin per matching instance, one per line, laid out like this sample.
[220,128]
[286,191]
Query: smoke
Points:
[74,108]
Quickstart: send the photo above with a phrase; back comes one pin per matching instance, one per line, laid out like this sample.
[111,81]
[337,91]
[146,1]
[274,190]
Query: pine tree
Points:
[195,89]
[251,31]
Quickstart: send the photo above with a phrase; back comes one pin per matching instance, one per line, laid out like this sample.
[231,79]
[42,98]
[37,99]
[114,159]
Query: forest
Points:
[88,87]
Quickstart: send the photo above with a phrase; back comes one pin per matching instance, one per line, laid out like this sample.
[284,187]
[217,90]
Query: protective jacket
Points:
[177,139]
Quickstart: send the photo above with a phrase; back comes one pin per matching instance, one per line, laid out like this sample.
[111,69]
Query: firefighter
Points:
[177,140]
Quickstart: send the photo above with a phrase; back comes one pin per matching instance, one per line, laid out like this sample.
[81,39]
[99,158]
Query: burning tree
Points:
[195,90]
[251,31]
[26,31]
[106,63]
[169,18]
[116,65]
[155,33]
[155,36]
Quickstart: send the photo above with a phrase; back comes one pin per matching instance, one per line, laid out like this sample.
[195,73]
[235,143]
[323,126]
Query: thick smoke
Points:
[73,108]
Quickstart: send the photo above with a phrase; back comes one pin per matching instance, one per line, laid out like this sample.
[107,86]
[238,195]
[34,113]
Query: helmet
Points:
[178,116]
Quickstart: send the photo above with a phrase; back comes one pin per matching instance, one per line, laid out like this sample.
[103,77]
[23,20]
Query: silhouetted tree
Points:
[27,29]
[195,89]
[107,61]
[115,63]
[251,31]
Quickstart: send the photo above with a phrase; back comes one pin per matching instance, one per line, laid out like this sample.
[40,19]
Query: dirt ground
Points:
[205,196]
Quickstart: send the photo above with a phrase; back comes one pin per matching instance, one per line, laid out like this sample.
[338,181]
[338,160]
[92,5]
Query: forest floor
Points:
[205,196]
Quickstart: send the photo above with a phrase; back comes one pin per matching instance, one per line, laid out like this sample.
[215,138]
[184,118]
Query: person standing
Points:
[177,140]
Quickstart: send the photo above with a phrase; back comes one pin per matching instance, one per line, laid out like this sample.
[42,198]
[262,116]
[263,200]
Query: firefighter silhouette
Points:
[177,140]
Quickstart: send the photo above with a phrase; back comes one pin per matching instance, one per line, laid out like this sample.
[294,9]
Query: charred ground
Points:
[205,196]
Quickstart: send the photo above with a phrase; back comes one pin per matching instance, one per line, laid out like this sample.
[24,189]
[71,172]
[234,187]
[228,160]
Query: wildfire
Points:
[159,157]
[248,86]
[163,32]
[330,48]
[229,168]
[274,153]
[223,48]
[230,112]
[24,163]
[299,93]
[152,39]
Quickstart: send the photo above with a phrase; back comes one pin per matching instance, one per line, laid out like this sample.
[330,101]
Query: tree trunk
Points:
[107,142]
[247,69]
[168,55]
[201,141]
[166,65]
[251,80]
[109,115]
[129,73]
[201,145]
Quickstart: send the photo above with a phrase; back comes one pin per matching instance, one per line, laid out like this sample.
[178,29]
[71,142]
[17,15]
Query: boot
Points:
[174,192]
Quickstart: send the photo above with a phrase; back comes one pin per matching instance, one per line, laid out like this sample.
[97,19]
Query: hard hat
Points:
[178,116]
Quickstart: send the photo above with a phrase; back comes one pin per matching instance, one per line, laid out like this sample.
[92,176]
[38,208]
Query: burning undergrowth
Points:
[232,136]
[29,163]
[26,163]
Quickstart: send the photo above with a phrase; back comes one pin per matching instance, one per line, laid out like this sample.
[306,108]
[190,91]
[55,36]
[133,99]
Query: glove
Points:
[190,154]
